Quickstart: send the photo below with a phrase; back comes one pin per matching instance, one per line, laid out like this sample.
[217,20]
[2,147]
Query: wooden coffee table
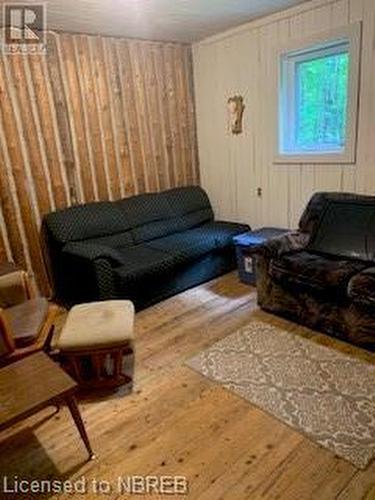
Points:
[31,384]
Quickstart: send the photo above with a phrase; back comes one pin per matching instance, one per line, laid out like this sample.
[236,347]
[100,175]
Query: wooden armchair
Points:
[25,321]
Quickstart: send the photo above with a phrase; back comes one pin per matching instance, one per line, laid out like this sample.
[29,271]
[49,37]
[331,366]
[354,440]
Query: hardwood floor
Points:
[176,422]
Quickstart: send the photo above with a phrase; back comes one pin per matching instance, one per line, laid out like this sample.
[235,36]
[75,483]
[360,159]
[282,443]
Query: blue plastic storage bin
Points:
[246,262]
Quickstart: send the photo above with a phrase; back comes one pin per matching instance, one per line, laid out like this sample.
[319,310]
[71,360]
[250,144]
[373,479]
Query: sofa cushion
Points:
[141,262]
[187,245]
[117,240]
[150,216]
[194,219]
[314,272]
[154,230]
[190,206]
[223,232]
[88,250]
[81,222]
[145,208]
[184,200]
[362,287]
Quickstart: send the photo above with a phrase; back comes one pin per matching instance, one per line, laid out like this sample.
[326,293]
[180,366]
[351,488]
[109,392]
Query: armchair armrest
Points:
[91,252]
[361,287]
[274,247]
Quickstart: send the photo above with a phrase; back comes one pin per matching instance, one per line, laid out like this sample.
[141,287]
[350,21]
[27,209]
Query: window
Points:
[318,100]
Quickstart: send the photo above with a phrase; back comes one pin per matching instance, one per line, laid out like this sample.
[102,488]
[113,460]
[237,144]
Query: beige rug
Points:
[327,395]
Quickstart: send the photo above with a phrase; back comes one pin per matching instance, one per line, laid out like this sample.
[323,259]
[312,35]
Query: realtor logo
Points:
[24,28]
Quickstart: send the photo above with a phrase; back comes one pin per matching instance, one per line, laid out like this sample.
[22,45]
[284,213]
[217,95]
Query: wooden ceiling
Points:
[169,20]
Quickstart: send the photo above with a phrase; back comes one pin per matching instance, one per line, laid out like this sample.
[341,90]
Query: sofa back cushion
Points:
[131,220]
[117,240]
[84,222]
[149,216]
[346,228]
[154,215]
[191,206]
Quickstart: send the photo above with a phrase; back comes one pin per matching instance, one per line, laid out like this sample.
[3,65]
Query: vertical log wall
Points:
[95,119]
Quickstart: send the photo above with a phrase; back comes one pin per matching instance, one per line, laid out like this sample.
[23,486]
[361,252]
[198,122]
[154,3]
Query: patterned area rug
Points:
[326,395]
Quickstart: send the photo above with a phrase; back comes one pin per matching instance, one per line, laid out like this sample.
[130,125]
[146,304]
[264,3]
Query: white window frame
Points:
[287,58]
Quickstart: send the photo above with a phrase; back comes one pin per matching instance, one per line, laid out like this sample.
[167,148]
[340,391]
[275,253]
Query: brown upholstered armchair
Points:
[323,275]
[25,321]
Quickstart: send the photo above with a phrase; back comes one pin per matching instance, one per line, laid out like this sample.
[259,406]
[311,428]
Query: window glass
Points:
[321,96]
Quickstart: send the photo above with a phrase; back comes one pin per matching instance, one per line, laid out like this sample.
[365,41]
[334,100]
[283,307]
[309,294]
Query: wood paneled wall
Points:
[95,119]
[243,61]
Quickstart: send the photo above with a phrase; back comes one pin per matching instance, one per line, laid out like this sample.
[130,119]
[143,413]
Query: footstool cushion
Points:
[97,325]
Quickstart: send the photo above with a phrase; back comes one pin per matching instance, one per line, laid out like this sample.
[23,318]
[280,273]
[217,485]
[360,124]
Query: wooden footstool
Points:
[94,342]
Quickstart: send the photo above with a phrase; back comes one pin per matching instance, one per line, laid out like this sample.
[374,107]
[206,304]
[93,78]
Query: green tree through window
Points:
[321,103]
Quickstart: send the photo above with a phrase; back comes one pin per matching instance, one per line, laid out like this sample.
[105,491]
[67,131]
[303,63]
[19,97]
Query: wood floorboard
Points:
[177,422]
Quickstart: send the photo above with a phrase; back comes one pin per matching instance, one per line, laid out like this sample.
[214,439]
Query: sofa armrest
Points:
[90,270]
[91,252]
[281,244]
[361,288]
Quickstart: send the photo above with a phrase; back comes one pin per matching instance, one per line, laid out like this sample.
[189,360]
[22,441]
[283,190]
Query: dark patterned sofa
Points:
[144,248]
[323,275]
